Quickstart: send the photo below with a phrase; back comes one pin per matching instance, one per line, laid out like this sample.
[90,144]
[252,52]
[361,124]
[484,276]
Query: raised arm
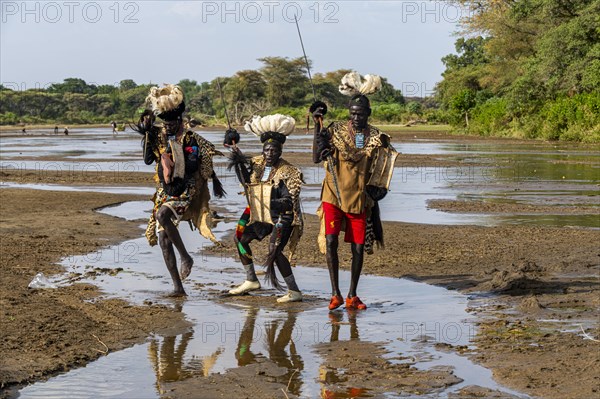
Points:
[145,127]
[321,146]
[148,150]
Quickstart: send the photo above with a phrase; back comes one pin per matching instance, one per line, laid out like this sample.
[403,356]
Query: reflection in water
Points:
[278,337]
[167,359]
[336,319]
[243,354]
[328,377]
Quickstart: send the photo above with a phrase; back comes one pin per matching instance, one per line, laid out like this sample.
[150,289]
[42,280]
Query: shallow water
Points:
[94,189]
[408,317]
[532,173]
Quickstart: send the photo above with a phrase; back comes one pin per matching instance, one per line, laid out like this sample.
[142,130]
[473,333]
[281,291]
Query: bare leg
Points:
[243,246]
[357,264]
[283,264]
[164,218]
[333,263]
[245,253]
[171,262]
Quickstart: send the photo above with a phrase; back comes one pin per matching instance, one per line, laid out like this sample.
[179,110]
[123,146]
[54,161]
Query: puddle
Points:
[229,333]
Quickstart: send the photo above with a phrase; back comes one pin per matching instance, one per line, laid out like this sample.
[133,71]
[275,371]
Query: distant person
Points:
[23,131]
[66,131]
[55,129]
[114,127]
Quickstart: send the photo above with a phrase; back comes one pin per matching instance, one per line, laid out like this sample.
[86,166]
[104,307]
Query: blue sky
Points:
[104,42]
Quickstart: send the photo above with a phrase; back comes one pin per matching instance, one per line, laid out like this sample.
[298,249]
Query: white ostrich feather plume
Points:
[163,99]
[271,123]
[353,83]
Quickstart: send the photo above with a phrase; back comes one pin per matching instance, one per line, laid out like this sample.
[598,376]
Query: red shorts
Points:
[356,223]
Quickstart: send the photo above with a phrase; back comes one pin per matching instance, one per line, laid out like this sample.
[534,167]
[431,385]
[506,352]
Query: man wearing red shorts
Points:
[347,200]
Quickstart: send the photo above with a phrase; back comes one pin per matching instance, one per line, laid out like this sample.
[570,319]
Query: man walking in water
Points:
[281,217]
[183,166]
[349,198]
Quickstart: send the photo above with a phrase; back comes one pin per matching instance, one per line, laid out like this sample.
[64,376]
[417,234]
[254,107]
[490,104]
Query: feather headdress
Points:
[166,102]
[276,127]
[353,84]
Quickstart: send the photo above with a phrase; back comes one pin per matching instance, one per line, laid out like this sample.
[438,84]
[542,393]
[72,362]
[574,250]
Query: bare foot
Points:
[186,268]
[177,294]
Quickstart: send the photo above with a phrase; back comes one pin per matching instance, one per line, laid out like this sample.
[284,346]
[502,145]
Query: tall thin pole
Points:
[306,59]
[223,101]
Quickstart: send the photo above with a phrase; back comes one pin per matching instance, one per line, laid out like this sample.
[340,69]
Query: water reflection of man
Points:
[329,376]
[243,354]
[279,335]
[336,319]
[168,362]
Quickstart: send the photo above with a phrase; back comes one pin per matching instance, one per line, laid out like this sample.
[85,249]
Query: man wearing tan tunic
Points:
[347,148]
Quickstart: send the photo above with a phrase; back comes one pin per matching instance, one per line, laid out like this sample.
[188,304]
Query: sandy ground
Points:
[530,287]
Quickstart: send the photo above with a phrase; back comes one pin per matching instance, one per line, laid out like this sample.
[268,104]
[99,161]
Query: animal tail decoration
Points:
[218,189]
[274,251]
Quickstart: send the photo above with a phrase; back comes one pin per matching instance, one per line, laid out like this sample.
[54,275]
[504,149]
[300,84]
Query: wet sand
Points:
[544,281]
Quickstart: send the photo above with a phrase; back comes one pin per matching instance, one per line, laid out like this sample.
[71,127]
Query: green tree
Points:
[414,108]
[286,81]
[462,103]
[190,87]
[72,85]
[127,84]
[245,93]
[388,94]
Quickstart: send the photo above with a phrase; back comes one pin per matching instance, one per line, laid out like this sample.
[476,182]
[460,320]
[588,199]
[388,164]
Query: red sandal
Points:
[355,303]
[336,302]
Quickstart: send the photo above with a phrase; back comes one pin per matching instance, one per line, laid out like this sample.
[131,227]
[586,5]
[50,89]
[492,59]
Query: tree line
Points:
[528,68]
[279,85]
